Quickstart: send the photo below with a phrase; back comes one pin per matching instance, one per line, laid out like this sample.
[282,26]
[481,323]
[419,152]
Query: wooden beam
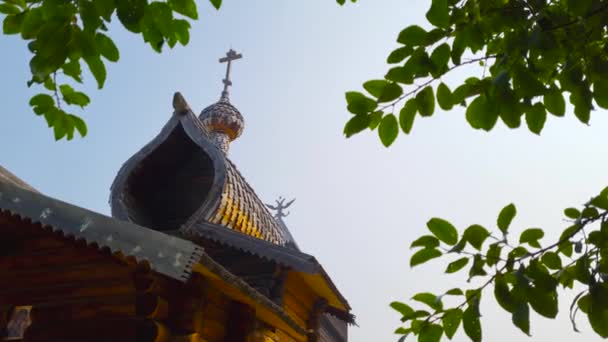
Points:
[241,322]
[315,319]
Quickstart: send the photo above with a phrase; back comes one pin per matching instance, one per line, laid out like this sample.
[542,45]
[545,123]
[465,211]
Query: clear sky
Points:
[358,205]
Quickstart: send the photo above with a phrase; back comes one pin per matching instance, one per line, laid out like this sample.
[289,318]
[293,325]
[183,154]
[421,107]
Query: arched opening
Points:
[170,184]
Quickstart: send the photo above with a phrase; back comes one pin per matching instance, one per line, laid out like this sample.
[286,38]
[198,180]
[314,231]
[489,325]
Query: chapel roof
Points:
[181,178]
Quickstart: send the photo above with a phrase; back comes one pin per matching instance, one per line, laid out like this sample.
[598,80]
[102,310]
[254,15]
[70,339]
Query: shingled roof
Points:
[181,178]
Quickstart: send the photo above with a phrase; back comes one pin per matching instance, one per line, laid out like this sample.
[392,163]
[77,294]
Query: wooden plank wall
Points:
[82,293]
[298,300]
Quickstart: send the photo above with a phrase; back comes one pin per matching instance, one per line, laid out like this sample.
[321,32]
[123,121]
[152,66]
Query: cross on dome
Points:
[231,55]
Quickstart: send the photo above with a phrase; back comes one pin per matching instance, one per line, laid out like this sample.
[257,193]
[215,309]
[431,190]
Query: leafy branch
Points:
[533,54]
[525,276]
[63,34]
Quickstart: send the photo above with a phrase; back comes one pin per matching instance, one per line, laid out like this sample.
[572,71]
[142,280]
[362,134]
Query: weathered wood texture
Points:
[79,292]
[299,300]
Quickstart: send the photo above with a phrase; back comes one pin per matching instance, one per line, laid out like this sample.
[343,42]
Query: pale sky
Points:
[359,205]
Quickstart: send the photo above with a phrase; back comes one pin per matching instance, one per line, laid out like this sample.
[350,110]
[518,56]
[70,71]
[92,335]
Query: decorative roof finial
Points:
[231,55]
[280,207]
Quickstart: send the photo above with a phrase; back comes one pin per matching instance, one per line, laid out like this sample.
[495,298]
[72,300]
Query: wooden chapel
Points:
[190,253]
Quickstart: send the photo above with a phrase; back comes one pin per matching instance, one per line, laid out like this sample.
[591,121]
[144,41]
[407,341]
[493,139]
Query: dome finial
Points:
[231,55]
[222,120]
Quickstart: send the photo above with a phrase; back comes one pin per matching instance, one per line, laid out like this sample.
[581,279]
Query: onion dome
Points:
[222,120]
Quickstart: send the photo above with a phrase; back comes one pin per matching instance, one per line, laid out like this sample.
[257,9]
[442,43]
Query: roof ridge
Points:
[13,179]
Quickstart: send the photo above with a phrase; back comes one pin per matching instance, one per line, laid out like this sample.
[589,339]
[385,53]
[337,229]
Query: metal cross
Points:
[231,55]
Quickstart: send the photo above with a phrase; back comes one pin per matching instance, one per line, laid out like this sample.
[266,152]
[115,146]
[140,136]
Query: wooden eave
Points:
[179,258]
[237,289]
[306,266]
[166,254]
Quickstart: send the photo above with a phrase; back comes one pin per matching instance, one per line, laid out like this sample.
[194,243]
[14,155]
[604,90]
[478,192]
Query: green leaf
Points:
[572,213]
[584,302]
[451,320]
[438,14]
[388,130]
[400,75]
[471,324]
[105,8]
[9,9]
[457,265]
[589,212]
[552,260]
[106,47]
[531,236]
[443,230]
[419,64]
[600,201]
[73,70]
[399,54]
[12,23]
[441,56]
[502,294]
[598,309]
[218,3]
[521,317]
[426,241]
[482,114]
[402,308]
[429,299]
[425,101]
[600,92]
[356,124]
[430,333]
[505,217]
[359,103]
[374,119]
[413,35]
[375,87]
[130,13]
[70,96]
[581,98]
[536,117]
[97,68]
[579,8]
[476,235]
[444,97]
[543,301]
[400,330]
[554,102]
[518,252]
[390,92]
[477,268]
[41,103]
[407,116]
[423,256]
[493,254]
[20,3]
[79,124]
[455,292]
[181,28]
